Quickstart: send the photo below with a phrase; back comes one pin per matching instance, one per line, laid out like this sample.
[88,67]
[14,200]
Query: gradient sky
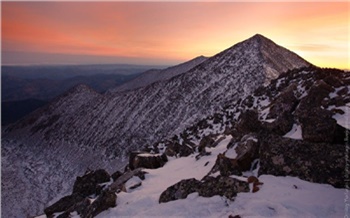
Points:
[168,32]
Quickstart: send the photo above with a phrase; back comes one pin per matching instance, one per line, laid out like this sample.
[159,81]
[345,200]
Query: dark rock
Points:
[318,126]
[226,166]
[146,160]
[207,141]
[223,186]
[180,190]
[89,183]
[104,201]
[314,162]
[176,149]
[318,91]
[141,175]
[208,187]
[117,185]
[116,175]
[285,102]
[248,122]
[281,110]
[247,151]
[64,215]
[63,204]
[282,124]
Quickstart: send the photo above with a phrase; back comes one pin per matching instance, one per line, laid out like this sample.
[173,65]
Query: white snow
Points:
[343,119]
[148,155]
[290,197]
[277,197]
[231,153]
[295,132]
[264,113]
[134,181]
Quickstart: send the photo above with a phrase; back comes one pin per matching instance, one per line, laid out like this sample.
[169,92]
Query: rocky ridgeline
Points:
[261,125]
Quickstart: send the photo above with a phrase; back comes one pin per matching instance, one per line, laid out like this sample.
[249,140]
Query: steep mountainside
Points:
[105,127]
[154,75]
[260,156]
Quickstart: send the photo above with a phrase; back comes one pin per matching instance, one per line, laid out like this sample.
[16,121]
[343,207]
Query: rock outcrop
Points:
[146,160]
[207,187]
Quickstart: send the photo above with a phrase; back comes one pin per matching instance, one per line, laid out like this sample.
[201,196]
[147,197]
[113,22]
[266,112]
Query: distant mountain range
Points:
[84,129]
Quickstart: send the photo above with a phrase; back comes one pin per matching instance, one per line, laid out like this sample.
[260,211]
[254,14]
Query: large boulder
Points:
[247,151]
[318,126]
[207,187]
[206,141]
[175,149]
[223,186]
[248,122]
[105,200]
[314,162]
[147,160]
[180,190]
[89,184]
[63,204]
[226,166]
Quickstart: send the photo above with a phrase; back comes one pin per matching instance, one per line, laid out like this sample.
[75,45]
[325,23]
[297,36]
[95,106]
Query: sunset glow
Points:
[168,33]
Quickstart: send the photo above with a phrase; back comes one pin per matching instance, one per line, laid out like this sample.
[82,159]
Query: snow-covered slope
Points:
[278,196]
[155,75]
[295,127]
[105,127]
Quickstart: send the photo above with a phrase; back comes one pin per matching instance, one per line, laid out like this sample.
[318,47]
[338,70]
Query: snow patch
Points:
[295,132]
[343,119]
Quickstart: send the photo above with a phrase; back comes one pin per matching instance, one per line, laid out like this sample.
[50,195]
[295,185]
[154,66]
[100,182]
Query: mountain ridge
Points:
[154,75]
[121,122]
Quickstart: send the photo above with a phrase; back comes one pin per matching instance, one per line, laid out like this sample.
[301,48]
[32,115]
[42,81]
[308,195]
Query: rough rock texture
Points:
[89,183]
[177,149]
[105,200]
[248,122]
[63,204]
[281,110]
[314,162]
[180,190]
[145,160]
[247,151]
[207,187]
[223,186]
[226,166]
[206,141]
[116,175]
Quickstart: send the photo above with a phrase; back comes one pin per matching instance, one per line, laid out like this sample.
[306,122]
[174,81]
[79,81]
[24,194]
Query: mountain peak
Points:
[258,36]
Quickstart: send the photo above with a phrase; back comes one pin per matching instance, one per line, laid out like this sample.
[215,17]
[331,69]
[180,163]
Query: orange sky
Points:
[168,33]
